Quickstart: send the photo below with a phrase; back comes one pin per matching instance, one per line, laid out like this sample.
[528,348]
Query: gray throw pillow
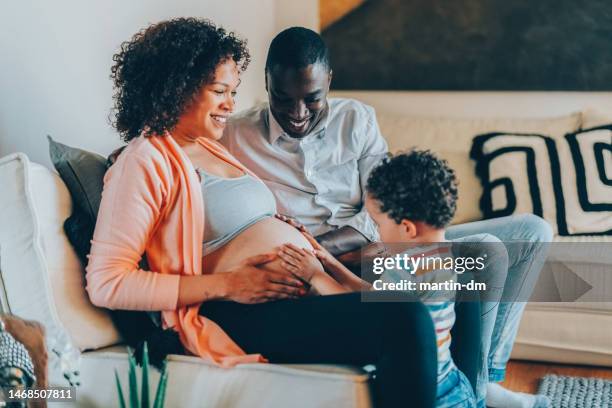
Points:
[83,174]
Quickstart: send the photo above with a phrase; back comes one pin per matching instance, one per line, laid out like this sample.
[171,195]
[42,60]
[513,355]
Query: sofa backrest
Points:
[451,139]
[446,123]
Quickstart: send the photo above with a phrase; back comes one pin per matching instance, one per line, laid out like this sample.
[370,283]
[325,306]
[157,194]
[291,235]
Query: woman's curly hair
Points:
[416,186]
[159,71]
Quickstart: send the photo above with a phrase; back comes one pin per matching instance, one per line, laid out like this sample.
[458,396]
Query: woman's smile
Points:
[219,120]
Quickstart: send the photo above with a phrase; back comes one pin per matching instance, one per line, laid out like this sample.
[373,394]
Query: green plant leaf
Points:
[144,399]
[119,391]
[160,394]
[133,382]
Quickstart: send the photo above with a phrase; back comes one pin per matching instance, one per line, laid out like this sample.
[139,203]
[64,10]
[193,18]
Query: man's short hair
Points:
[297,47]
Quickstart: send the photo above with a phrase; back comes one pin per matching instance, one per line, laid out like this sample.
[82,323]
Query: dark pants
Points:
[397,337]
[465,344]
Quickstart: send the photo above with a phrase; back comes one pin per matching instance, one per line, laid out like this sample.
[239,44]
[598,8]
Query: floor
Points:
[524,376]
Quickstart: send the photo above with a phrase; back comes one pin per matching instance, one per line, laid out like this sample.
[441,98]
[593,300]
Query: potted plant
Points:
[144,401]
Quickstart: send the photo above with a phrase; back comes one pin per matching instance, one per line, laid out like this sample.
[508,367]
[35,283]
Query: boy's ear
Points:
[409,228]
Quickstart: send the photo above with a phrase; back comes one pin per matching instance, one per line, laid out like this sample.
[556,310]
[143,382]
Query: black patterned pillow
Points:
[567,180]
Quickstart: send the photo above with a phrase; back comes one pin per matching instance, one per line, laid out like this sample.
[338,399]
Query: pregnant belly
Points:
[265,236]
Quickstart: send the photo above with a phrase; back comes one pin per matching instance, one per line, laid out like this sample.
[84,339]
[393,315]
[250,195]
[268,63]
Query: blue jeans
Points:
[525,238]
[455,391]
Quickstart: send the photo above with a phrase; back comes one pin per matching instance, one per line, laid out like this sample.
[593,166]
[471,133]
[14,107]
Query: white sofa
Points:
[42,279]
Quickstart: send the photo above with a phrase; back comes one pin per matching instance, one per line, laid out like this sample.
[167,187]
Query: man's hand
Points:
[293,222]
[251,283]
[342,240]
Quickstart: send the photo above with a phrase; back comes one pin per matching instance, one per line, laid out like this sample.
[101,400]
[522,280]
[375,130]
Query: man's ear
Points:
[331,74]
[409,228]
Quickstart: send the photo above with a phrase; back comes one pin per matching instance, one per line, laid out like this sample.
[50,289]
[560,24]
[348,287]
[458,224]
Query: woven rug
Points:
[577,392]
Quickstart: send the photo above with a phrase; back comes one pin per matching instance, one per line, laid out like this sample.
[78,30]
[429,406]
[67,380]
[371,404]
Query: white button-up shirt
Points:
[319,179]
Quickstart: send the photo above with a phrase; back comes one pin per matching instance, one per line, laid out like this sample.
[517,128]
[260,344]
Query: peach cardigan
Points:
[152,204]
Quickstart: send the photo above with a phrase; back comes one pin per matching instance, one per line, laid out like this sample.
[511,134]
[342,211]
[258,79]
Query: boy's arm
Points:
[341,273]
[326,285]
[335,268]
[304,264]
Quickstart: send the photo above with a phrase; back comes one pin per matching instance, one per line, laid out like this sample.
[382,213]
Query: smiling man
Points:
[314,153]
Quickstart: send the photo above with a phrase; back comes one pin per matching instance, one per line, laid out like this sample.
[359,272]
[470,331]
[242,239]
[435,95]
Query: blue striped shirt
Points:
[441,306]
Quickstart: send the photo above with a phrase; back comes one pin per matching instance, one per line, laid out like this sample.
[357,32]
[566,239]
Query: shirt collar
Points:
[275,131]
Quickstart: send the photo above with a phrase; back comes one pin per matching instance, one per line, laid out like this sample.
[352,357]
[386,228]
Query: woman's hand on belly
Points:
[265,236]
[252,282]
[251,276]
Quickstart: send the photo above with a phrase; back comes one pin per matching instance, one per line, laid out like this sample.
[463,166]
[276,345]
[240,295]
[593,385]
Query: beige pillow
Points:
[43,278]
[451,139]
[593,117]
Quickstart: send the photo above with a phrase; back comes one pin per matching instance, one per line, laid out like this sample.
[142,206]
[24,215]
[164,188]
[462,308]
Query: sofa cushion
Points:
[564,334]
[567,179]
[43,278]
[193,382]
[451,139]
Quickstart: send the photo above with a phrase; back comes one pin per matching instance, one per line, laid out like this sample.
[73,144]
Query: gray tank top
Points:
[231,205]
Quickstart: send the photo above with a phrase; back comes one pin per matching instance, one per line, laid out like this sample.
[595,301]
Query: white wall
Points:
[290,13]
[56,58]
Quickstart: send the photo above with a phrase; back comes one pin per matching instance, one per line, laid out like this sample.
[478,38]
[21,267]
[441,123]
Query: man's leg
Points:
[526,238]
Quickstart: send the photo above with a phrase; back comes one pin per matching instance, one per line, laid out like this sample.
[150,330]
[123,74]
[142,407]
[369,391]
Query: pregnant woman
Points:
[206,226]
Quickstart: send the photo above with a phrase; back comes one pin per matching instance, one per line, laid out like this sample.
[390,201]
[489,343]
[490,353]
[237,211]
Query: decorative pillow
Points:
[451,138]
[42,276]
[566,180]
[83,172]
[595,117]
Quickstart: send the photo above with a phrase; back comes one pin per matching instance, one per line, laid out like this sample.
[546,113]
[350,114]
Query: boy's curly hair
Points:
[417,186]
[159,71]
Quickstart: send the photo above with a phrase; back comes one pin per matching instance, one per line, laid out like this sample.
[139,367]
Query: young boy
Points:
[412,198]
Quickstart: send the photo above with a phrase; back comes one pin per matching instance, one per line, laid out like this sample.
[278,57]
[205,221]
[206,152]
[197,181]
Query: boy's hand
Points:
[326,258]
[299,261]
